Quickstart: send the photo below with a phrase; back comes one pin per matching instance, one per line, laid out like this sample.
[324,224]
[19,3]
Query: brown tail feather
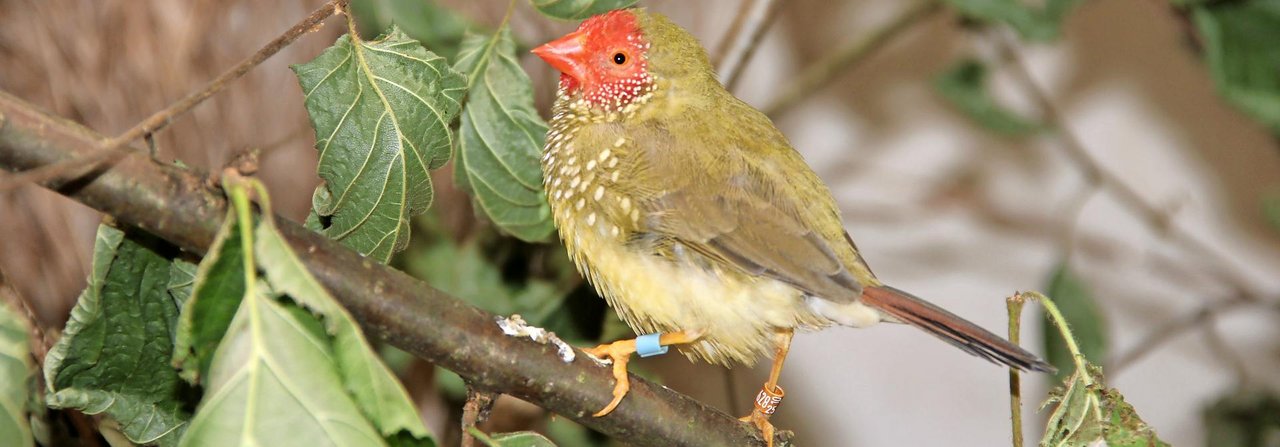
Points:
[951,328]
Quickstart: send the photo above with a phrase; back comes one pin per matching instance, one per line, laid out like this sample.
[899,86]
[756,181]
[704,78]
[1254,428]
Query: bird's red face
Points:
[605,59]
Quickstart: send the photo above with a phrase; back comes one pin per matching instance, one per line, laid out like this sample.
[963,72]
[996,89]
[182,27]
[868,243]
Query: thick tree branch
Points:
[183,208]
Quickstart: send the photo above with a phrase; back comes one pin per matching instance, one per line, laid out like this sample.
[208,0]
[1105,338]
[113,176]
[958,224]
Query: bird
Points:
[696,219]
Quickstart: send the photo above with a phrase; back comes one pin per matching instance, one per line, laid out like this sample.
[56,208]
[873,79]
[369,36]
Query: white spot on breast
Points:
[591,219]
[599,192]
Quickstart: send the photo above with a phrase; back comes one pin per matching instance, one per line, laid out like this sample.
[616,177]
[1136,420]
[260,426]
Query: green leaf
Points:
[964,86]
[1083,316]
[501,138]
[218,287]
[1088,412]
[114,355]
[272,379]
[1244,60]
[182,278]
[439,29]
[1271,209]
[273,382]
[514,439]
[578,9]
[15,379]
[375,388]
[1032,23]
[1243,418]
[381,111]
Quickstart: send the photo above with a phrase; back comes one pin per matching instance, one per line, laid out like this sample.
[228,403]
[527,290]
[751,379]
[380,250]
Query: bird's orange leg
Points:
[619,352]
[769,397]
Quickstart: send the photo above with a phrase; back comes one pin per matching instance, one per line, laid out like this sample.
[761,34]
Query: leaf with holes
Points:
[15,374]
[381,111]
[501,137]
[114,356]
[578,9]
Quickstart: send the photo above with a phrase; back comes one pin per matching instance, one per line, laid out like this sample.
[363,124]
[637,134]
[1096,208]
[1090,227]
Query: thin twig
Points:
[1014,303]
[114,148]
[475,411]
[822,72]
[1171,329]
[1154,217]
[722,48]
[762,14]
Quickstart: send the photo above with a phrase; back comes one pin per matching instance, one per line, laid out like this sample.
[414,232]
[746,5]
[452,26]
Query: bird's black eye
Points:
[619,58]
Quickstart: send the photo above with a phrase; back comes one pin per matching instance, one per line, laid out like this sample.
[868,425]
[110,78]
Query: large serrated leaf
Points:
[1244,60]
[273,383]
[15,374]
[578,9]
[375,388]
[501,137]
[272,379]
[964,86]
[381,111]
[114,355]
[1081,311]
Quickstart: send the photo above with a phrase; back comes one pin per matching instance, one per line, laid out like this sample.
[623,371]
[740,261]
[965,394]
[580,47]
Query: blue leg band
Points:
[649,345]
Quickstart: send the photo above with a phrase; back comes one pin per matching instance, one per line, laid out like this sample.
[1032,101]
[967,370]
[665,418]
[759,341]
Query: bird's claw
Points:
[618,353]
[761,421]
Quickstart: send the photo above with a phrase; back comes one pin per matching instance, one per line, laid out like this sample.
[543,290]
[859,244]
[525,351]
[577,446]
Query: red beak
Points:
[566,54]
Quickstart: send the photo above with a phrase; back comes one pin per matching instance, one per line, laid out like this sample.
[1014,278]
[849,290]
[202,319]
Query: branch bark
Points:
[182,207]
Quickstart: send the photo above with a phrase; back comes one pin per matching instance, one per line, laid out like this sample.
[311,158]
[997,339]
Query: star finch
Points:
[695,218]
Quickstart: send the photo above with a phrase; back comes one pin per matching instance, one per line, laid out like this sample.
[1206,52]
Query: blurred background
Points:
[1098,163]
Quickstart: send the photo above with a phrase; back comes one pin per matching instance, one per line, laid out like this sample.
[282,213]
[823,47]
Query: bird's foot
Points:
[766,404]
[618,352]
[761,421]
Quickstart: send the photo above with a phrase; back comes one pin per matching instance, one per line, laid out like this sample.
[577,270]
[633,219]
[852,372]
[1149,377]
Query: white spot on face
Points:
[626,204]
[613,162]
[604,155]
[599,192]
[619,142]
[583,202]
[615,230]
[591,219]
[591,165]
[614,176]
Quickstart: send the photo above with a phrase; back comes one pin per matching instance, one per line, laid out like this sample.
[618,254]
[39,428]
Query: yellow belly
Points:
[738,314]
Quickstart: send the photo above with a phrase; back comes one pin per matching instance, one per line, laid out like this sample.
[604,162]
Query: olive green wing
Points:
[744,213]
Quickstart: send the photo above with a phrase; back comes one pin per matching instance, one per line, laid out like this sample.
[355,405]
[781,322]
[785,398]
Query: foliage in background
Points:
[1081,313]
[15,378]
[1246,417]
[964,85]
[1240,50]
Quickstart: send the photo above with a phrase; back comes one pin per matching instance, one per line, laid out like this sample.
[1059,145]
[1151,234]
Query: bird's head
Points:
[615,58]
